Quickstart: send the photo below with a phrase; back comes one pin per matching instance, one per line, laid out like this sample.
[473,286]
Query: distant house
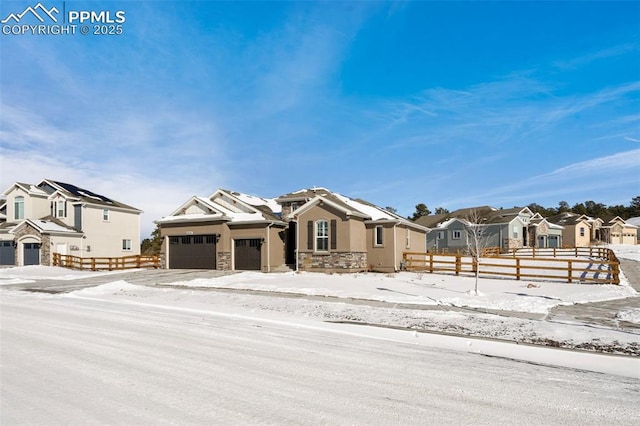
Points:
[308,230]
[577,228]
[543,234]
[635,221]
[618,231]
[56,217]
[504,228]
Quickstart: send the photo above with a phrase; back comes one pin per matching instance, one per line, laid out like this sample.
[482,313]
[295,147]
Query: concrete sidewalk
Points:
[604,313]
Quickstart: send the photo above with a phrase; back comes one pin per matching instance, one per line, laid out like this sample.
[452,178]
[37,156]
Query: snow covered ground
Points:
[161,356]
[402,288]
[626,251]
[289,348]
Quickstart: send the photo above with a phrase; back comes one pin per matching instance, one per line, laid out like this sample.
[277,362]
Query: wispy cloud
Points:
[606,53]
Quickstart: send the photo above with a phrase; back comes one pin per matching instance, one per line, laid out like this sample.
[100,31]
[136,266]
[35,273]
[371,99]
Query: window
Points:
[18,206]
[61,211]
[126,245]
[441,235]
[581,231]
[379,240]
[515,231]
[105,215]
[456,235]
[294,206]
[408,238]
[322,235]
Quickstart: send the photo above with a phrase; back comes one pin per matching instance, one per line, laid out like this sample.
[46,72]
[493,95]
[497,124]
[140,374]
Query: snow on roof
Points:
[253,200]
[375,213]
[191,217]
[635,221]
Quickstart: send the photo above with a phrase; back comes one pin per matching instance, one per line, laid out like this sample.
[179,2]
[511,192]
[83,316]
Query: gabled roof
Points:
[567,219]
[226,206]
[28,188]
[635,221]
[489,215]
[349,206]
[46,225]
[75,193]
[433,220]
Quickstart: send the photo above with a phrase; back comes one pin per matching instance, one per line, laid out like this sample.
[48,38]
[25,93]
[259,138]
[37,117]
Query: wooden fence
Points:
[106,263]
[563,267]
[587,252]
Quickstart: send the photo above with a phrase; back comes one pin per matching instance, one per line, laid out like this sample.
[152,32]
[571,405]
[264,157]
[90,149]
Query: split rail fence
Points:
[106,263]
[595,265]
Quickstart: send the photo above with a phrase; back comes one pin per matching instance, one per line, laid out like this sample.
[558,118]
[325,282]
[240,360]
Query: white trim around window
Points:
[18,208]
[378,236]
[322,235]
[126,245]
[105,215]
[456,235]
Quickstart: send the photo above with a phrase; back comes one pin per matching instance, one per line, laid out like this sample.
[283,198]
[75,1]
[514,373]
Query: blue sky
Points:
[450,104]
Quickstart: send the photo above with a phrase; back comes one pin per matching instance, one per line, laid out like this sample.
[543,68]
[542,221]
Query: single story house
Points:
[576,228]
[226,231]
[308,230]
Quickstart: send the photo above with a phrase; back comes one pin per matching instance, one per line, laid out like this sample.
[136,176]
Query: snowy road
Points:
[78,361]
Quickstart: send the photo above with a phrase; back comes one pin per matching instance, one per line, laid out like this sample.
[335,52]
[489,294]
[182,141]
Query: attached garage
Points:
[31,253]
[7,253]
[248,254]
[192,252]
[554,241]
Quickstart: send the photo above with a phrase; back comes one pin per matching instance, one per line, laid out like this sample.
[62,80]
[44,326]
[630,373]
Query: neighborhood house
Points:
[55,217]
[309,230]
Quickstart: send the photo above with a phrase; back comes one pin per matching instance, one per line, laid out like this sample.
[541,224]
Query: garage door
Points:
[553,241]
[7,253]
[192,252]
[247,254]
[31,253]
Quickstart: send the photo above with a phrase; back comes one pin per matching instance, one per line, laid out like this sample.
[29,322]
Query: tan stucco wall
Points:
[380,257]
[571,235]
[35,207]
[350,234]
[271,252]
[105,237]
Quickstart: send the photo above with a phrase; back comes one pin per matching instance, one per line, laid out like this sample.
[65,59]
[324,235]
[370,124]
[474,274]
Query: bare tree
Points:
[477,240]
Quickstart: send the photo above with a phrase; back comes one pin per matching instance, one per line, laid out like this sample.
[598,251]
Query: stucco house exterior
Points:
[57,217]
[577,228]
[635,221]
[332,232]
[308,230]
[619,231]
[544,234]
[226,231]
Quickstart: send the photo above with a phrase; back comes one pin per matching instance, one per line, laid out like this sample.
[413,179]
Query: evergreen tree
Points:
[421,210]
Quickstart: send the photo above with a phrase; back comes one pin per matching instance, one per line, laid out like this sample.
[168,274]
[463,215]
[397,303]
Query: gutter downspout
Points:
[297,240]
[269,247]
[395,251]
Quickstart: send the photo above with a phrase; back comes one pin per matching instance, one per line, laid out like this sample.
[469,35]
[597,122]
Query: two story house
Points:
[57,217]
